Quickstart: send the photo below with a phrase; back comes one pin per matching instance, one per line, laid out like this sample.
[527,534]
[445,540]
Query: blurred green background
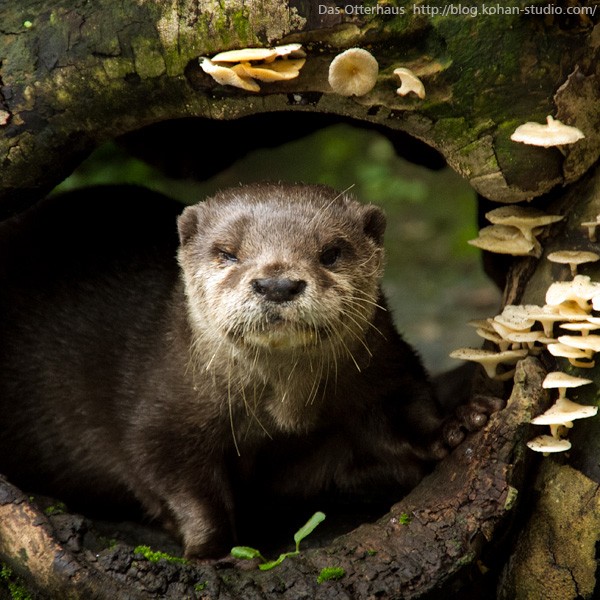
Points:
[434,280]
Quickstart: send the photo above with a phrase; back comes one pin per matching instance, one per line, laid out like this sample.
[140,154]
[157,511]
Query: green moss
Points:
[241,25]
[330,574]
[56,509]
[15,585]
[154,556]
[199,587]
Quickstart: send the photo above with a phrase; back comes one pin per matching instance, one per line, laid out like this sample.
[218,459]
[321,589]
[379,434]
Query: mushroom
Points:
[553,133]
[564,412]
[525,219]
[581,342]
[548,444]
[275,71]
[591,228]
[245,55]
[503,239]
[227,76]
[490,360]
[562,381]
[584,327]
[573,355]
[573,258]
[516,317]
[580,290]
[409,83]
[353,72]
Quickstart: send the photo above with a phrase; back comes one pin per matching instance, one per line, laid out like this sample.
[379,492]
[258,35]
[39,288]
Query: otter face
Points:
[283,267]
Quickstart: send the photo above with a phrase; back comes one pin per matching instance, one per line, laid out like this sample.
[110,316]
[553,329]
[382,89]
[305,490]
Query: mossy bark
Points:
[75,74]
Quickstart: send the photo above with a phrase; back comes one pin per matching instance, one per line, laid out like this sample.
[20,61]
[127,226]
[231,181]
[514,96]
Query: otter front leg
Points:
[205,524]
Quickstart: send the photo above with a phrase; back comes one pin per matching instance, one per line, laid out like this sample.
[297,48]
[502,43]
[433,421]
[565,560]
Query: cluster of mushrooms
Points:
[521,330]
[354,72]
[242,68]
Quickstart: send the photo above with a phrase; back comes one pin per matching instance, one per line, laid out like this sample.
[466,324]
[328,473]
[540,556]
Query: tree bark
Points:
[75,74]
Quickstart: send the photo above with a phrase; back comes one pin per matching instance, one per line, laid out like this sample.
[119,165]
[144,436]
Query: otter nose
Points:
[278,289]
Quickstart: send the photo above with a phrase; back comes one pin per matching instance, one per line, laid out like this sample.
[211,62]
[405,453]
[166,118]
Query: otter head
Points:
[283,267]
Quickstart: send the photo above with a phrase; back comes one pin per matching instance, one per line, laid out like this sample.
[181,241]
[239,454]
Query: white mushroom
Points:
[516,317]
[275,71]
[573,355]
[353,72]
[245,55]
[409,83]
[503,239]
[581,342]
[584,327]
[573,258]
[227,76]
[490,360]
[580,290]
[525,219]
[553,133]
[548,444]
[562,381]
[591,227]
[564,412]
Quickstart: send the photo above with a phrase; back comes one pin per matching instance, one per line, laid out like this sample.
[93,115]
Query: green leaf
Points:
[246,553]
[308,528]
[273,563]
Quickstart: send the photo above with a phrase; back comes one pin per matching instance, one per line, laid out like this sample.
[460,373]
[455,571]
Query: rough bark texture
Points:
[74,74]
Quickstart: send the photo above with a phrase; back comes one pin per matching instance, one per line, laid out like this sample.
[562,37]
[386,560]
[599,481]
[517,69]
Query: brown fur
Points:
[269,358]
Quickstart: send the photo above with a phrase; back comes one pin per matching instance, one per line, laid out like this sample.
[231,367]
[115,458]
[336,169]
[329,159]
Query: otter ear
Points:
[374,222]
[188,223]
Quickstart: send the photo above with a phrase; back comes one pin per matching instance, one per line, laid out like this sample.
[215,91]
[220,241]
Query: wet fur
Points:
[127,375]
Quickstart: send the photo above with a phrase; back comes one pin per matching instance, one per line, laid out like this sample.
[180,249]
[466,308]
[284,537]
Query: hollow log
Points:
[73,75]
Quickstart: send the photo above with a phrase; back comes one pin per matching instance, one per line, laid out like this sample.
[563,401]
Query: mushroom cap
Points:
[503,239]
[572,257]
[581,326]
[271,71]
[563,412]
[488,359]
[290,50]
[581,342]
[548,443]
[516,317]
[409,83]
[227,76]
[580,289]
[564,351]
[524,218]
[558,379]
[353,72]
[553,133]
[245,55]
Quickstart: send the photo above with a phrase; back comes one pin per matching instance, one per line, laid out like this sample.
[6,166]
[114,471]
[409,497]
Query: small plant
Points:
[404,519]
[248,553]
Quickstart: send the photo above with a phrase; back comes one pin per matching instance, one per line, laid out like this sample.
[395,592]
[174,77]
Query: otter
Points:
[175,358]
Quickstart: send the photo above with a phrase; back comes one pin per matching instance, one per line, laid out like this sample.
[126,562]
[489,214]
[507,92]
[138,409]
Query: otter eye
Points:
[329,256]
[226,256]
